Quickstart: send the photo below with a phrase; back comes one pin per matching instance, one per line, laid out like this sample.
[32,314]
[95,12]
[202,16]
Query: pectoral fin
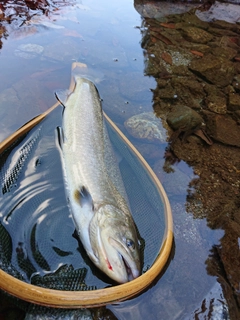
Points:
[83,197]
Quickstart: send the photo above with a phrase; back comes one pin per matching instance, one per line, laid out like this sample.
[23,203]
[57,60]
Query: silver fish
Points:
[94,186]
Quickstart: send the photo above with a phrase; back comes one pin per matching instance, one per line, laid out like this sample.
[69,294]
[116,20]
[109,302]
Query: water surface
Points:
[38,48]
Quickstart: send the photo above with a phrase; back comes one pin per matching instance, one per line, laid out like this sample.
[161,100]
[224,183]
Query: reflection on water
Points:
[196,64]
[38,46]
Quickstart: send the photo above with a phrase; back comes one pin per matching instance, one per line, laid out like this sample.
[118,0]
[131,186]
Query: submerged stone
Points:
[217,103]
[146,126]
[184,118]
[216,70]
[234,102]
[197,35]
[223,129]
[28,51]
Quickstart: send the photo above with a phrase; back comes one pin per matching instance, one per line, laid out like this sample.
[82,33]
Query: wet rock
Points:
[197,35]
[180,57]
[146,126]
[221,32]
[216,70]
[223,129]
[191,20]
[168,92]
[181,71]
[28,51]
[217,104]
[224,24]
[227,41]
[158,10]
[189,91]
[236,83]
[154,68]
[184,118]
[221,11]
[216,100]
[234,102]
[224,52]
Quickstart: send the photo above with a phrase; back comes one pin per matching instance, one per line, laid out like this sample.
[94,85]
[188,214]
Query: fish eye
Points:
[130,244]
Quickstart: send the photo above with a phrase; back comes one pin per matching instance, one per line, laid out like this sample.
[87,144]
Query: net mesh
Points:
[37,240]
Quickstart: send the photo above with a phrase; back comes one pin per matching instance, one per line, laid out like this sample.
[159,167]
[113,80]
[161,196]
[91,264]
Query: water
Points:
[33,204]
[37,51]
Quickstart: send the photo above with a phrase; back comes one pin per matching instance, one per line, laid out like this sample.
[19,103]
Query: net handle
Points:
[93,298]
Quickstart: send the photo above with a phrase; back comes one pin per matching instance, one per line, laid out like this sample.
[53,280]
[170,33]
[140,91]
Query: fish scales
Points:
[94,187]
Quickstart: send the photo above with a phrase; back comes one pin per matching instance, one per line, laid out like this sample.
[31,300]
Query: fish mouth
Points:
[130,275]
[126,261]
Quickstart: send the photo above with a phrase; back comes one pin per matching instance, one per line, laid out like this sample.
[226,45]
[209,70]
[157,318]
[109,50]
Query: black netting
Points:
[37,242]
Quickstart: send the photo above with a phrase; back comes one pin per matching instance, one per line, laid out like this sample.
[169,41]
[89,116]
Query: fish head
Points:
[115,244]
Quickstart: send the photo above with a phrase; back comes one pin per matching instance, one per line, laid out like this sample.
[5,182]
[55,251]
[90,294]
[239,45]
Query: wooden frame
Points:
[93,298]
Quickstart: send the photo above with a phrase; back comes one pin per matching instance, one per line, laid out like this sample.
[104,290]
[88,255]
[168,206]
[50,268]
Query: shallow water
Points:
[38,48]
[33,204]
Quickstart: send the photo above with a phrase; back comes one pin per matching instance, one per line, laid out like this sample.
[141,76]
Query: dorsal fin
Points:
[62,96]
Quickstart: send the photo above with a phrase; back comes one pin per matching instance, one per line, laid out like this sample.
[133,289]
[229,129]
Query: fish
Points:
[94,186]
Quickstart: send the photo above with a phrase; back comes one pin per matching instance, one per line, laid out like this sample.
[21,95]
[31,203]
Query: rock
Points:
[197,35]
[184,118]
[168,92]
[224,52]
[158,10]
[180,57]
[216,99]
[227,41]
[189,91]
[146,126]
[234,102]
[216,70]
[223,129]
[236,82]
[221,11]
[28,51]
[217,103]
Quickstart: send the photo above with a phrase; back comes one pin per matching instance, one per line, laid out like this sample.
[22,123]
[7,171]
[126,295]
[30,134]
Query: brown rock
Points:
[223,129]
[224,52]
[234,102]
[218,71]
[197,35]
[217,104]
[184,118]
[189,91]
